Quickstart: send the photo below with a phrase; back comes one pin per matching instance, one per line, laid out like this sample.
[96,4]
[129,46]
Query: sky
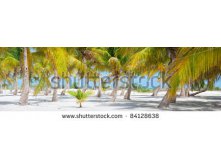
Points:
[218,83]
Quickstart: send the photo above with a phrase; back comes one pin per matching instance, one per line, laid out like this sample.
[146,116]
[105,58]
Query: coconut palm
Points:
[191,65]
[115,68]
[95,61]
[42,72]
[9,61]
[100,60]
[58,58]
[111,60]
[14,63]
[127,54]
[75,65]
[182,68]
[150,61]
[81,96]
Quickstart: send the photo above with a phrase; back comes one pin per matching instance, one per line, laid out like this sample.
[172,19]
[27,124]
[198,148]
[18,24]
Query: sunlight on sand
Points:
[207,101]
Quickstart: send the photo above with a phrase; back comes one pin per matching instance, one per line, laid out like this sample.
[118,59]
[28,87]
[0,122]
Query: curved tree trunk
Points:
[167,99]
[67,87]
[173,99]
[183,92]
[86,83]
[4,87]
[46,91]
[187,91]
[156,91]
[100,87]
[25,90]
[165,102]
[172,52]
[55,91]
[115,89]
[128,93]
[1,91]
[112,93]
[196,93]
[122,92]
[15,83]
[95,84]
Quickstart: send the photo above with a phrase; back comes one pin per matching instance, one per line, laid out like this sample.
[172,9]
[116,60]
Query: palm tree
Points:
[25,90]
[168,98]
[111,60]
[126,55]
[95,60]
[100,60]
[150,61]
[115,65]
[74,65]
[80,95]
[9,61]
[58,58]
[14,63]
[117,62]
[3,51]
[42,72]
[191,64]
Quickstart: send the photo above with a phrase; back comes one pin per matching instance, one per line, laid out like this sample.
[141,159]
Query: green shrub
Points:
[139,88]
[80,95]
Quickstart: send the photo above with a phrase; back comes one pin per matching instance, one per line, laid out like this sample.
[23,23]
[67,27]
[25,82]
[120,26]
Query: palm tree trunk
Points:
[86,83]
[67,85]
[15,83]
[173,99]
[187,91]
[167,99]
[95,85]
[4,85]
[156,91]
[100,87]
[66,88]
[46,91]
[25,90]
[55,92]
[122,92]
[165,102]
[127,95]
[196,93]
[112,93]
[80,105]
[115,89]
[182,92]
[1,91]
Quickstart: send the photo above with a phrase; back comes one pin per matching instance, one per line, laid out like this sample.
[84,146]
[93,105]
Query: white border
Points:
[43,139]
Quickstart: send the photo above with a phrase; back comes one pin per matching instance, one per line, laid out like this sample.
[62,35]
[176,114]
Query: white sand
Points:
[207,101]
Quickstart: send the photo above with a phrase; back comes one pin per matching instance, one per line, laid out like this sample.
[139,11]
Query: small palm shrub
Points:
[80,96]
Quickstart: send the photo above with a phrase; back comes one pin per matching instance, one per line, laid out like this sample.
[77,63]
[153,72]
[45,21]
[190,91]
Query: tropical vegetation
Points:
[179,69]
[81,96]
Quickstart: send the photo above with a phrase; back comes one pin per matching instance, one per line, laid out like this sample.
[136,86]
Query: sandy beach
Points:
[207,101]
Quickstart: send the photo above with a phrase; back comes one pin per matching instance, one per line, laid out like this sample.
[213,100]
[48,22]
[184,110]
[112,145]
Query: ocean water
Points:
[142,81]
